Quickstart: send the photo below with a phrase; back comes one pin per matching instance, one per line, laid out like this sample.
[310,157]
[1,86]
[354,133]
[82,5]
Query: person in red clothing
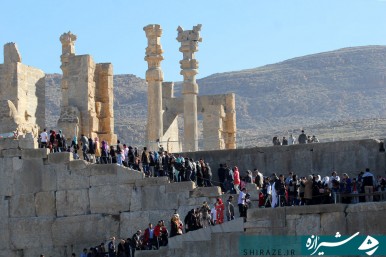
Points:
[157,234]
[149,237]
[236,179]
[219,211]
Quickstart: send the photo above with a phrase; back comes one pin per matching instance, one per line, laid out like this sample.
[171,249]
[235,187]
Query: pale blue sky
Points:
[237,34]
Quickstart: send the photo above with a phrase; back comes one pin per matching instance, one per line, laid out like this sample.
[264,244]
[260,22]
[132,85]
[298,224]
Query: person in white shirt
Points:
[241,203]
[43,139]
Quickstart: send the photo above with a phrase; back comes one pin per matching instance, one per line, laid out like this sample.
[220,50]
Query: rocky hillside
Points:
[337,94]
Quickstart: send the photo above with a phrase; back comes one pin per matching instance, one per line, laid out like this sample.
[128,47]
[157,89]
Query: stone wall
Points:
[319,158]
[223,240]
[22,94]
[53,204]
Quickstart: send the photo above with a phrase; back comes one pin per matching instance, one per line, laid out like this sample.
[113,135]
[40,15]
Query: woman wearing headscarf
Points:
[236,179]
[97,150]
[219,211]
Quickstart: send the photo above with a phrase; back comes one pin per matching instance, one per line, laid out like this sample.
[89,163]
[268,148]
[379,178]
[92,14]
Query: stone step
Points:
[205,234]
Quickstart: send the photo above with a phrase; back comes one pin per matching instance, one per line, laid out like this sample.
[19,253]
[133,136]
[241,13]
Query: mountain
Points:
[335,95]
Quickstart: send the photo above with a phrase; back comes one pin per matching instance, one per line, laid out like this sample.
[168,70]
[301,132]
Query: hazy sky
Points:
[237,34]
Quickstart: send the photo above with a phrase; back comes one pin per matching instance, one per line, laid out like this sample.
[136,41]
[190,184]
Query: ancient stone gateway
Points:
[87,94]
[22,94]
[219,115]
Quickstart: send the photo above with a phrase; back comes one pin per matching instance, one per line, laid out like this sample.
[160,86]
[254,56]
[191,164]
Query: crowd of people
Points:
[275,190]
[293,190]
[152,238]
[291,140]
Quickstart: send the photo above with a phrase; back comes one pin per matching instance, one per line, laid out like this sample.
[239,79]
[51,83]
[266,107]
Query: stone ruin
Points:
[219,115]
[87,94]
[87,97]
[22,95]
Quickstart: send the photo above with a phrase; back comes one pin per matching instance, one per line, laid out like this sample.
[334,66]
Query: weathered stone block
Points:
[87,229]
[130,222]
[103,174]
[7,177]
[40,153]
[4,233]
[35,231]
[206,191]
[78,164]
[49,175]
[22,206]
[10,152]
[180,187]
[56,158]
[4,207]
[152,181]
[136,199]
[29,177]
[371,206]
[73,179]
[111,199]
[72,202]
[333,222]
[308,225]
[155,198]
[320,208]
[8,143]
[126,175]
[45,204]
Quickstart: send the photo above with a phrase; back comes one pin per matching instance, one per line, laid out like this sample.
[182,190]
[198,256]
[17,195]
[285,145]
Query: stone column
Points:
[230,120]
[189,45]
[154,78]
[68,49]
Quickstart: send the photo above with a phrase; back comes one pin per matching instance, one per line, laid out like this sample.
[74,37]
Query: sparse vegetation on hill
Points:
[335,95]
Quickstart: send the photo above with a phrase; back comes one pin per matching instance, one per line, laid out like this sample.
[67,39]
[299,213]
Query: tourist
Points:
[345,188]
[368,184]
[236,179]
[314,139]
[242,204]
[119,153]
[302,138]
[205,214]
[43,139]
[149,238]
[145,160]
[291,140]
[221,176]
[136,242]
[219,211]
[157,234]
[334,177]
[200,176]
[230,209]
[308,183]
[284,141]
[84,253]
[112,248]
[190,221]
[104,152]
[97,150]
[91,150]
[113,154]
[84,144]
[176,226]
[131,157]
[164,234]
[213,215]
[206,173]
[121,249]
